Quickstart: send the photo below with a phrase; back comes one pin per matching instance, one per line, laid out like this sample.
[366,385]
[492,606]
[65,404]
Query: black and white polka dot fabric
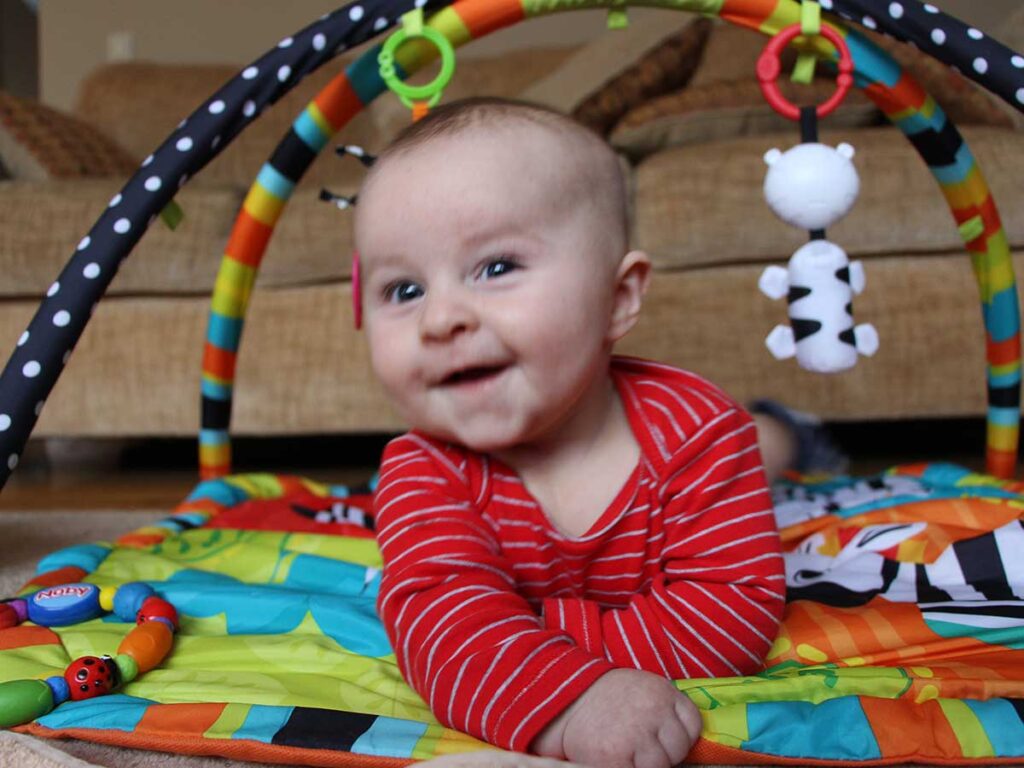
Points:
[973,52]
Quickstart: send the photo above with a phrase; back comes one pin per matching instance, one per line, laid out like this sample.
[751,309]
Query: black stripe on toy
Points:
[292,156]
[926,591]
[216,414]
[803,328]
[797,292]
[1004,397]
[938,148]
[323,729]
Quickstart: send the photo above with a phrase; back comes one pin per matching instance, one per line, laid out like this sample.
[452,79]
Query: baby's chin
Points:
[494,439]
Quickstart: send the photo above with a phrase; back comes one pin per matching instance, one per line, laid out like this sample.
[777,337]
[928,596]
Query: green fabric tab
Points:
[803,71]
[172,215]
[617,18]
[971,229]
[810,18]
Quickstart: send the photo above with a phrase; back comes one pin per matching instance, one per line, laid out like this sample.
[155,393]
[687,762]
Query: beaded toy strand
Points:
[142,649]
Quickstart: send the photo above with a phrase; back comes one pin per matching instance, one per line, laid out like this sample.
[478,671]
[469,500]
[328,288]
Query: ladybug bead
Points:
[90,676]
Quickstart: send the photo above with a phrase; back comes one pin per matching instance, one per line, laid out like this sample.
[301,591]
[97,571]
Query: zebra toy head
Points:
[811,185]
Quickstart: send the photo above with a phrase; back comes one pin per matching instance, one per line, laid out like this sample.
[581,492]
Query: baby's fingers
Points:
[675,741]
[651,753]
[689,717]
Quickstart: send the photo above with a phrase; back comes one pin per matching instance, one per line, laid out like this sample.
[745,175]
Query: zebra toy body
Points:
[819,283]
[812,186]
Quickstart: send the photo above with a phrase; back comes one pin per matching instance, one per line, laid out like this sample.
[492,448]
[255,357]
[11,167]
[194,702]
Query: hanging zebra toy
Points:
[812,186]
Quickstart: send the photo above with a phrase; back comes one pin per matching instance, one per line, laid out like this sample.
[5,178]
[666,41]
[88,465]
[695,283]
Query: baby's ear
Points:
[631,280]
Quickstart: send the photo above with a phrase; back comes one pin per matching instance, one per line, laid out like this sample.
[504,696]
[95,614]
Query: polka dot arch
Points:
[44,348]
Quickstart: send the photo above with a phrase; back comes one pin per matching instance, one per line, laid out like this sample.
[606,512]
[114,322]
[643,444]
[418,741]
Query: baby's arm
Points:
[715,606]
[471,646]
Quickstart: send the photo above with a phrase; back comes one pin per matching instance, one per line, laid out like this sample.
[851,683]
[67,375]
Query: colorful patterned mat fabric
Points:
[903,638]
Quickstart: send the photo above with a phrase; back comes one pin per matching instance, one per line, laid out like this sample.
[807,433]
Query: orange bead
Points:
[148,644]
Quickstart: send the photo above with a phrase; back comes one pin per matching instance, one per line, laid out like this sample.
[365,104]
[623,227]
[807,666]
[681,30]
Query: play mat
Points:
[903,639]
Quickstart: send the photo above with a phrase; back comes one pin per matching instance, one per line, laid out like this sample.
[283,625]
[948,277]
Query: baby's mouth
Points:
[472,375]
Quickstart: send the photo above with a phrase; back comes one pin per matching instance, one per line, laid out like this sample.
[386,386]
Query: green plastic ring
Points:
[430,91]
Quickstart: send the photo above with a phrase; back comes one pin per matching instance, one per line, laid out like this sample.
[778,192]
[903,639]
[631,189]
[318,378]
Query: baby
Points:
[564,532]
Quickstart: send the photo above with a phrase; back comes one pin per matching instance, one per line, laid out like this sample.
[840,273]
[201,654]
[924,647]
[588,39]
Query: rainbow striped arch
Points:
[45,347]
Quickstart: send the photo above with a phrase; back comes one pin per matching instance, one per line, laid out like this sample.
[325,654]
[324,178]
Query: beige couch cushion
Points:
[703,204]
[38,143]
[139,104]
[41,223]
[719,111]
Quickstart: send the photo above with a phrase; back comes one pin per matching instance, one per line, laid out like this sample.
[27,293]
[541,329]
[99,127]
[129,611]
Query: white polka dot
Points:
[980,65]
[249,108]
[52,290]
[84,243]
[115,200]
[938,36]
[870,23]
[121,226]
[319,42]
[62,318]
[216,107]
[153,183]
[147,161]
[1018,62]
[31,369]
[284,73]
[420,3]
[930,8]
[381,23]
[826,4]
[183,144]
[39,407]
[92,270]
[67,356]
[250,73]
[975,34]
[286,43]
[12,461]
[5,422]
[22,339]
[355,12]
[1020,95]
[896,10]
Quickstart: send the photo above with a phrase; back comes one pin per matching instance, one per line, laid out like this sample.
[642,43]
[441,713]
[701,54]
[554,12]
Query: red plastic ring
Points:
[768,69]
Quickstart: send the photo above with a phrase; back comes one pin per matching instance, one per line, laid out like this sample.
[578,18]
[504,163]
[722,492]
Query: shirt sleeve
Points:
[465,640]
[714,607]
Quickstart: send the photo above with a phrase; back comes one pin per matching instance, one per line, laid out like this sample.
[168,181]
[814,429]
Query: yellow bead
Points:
[107,598]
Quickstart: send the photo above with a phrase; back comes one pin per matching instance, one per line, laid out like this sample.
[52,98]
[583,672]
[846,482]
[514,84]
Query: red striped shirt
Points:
[500,621]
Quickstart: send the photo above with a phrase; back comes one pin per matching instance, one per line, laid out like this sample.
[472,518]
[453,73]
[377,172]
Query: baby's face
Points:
[487,293]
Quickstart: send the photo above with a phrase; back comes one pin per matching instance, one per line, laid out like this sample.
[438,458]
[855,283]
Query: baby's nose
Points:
[446,314]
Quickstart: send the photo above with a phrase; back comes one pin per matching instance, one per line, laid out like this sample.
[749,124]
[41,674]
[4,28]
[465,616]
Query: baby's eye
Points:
[498,267]
[402,291]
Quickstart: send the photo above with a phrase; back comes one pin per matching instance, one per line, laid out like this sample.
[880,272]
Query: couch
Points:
[695,178]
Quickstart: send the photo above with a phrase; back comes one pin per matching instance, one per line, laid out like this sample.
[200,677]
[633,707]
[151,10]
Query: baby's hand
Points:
[627,719]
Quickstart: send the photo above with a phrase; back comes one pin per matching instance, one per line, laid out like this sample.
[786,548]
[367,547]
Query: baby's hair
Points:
[600,165]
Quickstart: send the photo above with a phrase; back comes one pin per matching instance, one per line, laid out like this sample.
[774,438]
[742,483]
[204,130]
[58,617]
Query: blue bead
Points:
[64,604]
[59,687]
[85,556]
[129,598]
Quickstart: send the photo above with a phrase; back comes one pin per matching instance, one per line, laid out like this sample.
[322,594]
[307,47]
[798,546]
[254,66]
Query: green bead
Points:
[22,701]
[127,667]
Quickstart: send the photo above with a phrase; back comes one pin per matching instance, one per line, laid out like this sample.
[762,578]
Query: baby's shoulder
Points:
[416,456]
[674,406]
